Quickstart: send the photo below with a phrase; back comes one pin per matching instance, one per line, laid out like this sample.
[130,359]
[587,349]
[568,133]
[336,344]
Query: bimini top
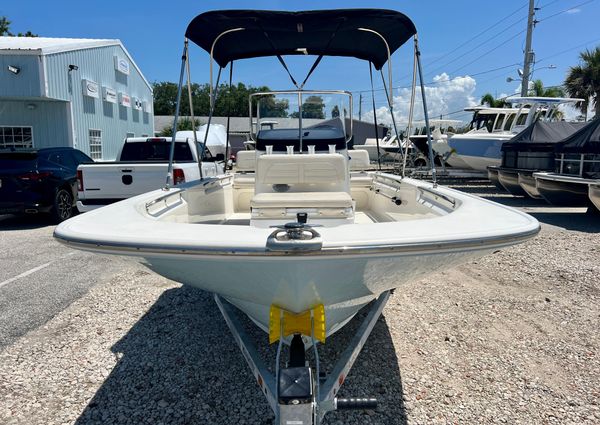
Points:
[542,134]
[316,32]
[585,140]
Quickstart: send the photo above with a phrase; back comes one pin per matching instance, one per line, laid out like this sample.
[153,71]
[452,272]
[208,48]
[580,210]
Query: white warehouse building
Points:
[84,93]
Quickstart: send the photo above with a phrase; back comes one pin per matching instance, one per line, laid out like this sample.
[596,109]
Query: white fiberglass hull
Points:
[356,263]
[476,150]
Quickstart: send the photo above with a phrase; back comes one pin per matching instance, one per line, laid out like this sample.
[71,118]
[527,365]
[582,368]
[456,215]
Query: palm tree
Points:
[489,100]
[583,80]
[537,89]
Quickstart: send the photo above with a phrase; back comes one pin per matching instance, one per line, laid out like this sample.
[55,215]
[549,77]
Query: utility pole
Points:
[529,55]
[360,107]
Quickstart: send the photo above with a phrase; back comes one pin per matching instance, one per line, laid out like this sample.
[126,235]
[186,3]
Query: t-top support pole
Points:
[425,112]
[189,89]
[174,131]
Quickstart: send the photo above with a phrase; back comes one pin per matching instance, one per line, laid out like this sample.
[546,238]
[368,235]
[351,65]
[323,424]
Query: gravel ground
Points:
[511,338]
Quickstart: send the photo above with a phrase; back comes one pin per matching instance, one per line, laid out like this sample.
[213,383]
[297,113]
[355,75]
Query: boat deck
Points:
[360,217]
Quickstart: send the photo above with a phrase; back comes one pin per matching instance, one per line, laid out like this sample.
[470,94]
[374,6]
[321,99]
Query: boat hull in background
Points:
[562,190]
[477,151]
[527,183]
[509,179]
[493,177]
[594,194]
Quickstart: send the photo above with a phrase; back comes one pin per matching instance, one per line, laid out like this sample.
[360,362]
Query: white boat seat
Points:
[302,200]
[245,161]
[359,160]
[310,173]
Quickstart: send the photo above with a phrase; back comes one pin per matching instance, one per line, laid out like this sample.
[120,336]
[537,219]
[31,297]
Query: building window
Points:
[16,137]
[128,135]
[96,144]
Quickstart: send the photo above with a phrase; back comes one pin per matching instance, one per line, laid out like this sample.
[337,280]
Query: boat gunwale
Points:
[478,243]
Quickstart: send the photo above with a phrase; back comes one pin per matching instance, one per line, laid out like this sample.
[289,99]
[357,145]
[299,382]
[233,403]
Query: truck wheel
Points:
[63,206]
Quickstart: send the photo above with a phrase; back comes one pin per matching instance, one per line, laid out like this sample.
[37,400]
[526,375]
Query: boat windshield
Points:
[301,111]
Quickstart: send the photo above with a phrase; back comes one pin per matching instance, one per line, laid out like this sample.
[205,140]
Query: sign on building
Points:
[90,88]
[124,100]
[122,65]
[137,104]
[109,95]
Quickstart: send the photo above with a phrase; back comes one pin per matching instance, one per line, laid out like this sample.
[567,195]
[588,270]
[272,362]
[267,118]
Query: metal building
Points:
[84,93]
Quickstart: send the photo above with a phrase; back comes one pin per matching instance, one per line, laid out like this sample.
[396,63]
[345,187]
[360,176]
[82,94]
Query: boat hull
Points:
[343,285]
[594,194]
[477,152]
[493,177]
[527,183]
[568,192]
[509,179]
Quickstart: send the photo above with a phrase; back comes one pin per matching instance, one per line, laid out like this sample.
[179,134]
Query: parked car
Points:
[141,166]
[40,181]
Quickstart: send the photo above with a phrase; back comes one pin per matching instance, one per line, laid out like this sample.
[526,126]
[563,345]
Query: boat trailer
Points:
[300,394]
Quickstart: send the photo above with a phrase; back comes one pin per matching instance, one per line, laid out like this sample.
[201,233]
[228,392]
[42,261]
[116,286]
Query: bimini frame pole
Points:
[212,50]
[189,88]
[425,112]
[389,93]
[411,110]
[174,132]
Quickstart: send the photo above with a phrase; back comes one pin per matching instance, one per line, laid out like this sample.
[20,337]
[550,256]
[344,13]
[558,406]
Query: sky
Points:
[468,47]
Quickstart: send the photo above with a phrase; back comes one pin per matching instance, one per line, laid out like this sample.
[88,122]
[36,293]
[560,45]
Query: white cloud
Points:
[573,11]
[444,96]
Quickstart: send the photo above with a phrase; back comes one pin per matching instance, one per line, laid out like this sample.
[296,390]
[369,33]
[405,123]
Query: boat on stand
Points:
[301,236]
[577,170]
[532,150]
[481,146]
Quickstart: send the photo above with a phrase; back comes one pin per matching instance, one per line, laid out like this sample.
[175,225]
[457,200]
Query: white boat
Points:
[389,148]
[300,237]
[215,135]
[480,147]
[441,130]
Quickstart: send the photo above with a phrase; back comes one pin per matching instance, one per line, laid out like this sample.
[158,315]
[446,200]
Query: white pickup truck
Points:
[141,167]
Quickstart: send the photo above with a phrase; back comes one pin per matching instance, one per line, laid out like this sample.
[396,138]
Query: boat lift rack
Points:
[325,399]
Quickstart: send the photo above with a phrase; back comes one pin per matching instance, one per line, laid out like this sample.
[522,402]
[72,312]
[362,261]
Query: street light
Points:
[511,79]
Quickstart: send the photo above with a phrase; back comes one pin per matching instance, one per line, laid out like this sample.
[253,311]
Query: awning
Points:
[317,32]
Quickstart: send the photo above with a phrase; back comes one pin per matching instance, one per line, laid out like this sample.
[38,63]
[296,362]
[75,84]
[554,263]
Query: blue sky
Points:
[153,31]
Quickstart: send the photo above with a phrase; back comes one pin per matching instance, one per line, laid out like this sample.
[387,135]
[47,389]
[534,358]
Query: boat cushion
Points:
[245,161]
[359,159]
[302,200]
[320,172]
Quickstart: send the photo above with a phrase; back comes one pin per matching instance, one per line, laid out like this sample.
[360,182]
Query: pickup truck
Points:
[141,166]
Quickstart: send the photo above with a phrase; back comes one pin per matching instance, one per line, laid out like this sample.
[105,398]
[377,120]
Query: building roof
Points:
[47,46]
[41,46]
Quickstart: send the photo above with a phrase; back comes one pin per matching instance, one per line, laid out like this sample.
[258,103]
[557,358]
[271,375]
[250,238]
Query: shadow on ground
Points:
[24,222]
[179,364]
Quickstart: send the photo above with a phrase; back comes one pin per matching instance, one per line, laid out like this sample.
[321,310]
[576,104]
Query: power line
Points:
[478,46]
[565,10]
[480,34]
[489,51]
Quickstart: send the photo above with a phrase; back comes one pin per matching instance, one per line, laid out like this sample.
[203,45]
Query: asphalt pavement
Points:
[39,277]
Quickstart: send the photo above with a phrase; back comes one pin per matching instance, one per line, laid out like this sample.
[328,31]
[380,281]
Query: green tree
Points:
[537,89]
[312,107]
[182,125]
[489,100]
[4,26]
[583,80]
[5,29]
